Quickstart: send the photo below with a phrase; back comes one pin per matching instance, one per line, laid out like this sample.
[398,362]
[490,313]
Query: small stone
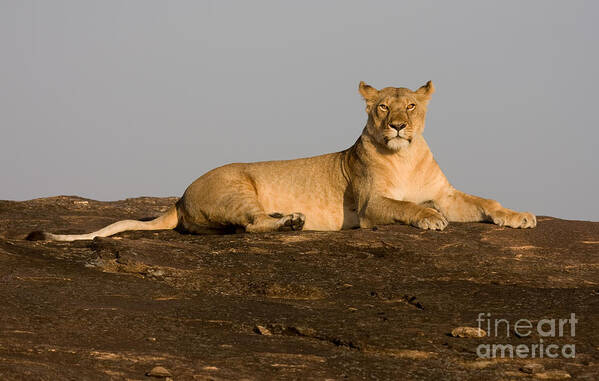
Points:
[262,330]
[155,272]
[152,339]
[553,375]
[159,372]
[468,332]
[302,331]
[532,368]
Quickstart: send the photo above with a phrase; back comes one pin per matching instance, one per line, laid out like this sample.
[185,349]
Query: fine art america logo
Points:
[545,328]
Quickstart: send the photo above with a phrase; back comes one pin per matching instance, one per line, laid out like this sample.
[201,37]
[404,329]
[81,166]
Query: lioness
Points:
[388,176]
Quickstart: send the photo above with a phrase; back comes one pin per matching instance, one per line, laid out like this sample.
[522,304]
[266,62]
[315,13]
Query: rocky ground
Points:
[377,304]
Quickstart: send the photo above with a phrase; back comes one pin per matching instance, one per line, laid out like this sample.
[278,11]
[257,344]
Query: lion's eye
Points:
[383,107]
[411,106]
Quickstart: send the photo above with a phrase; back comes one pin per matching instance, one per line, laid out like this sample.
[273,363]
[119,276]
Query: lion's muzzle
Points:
[397,126]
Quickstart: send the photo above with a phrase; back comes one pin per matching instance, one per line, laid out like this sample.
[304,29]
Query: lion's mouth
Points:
[408,139]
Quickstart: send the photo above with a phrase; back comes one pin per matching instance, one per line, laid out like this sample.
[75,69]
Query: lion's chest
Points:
[406,185]
[412,192]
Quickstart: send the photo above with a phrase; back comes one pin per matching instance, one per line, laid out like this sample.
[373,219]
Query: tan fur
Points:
[388,176]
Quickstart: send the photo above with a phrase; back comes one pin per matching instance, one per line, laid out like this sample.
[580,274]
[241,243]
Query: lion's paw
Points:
[519,220]
[429,218]
[295,221]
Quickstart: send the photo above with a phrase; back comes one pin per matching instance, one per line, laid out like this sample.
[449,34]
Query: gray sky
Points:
[115,99]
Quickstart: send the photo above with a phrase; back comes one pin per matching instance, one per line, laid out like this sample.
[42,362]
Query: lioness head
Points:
[396,114]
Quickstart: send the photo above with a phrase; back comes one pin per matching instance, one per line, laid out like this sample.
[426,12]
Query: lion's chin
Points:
[398,143]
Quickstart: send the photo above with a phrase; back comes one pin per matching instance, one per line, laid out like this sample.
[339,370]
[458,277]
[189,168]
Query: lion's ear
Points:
[426,90]
[369,93]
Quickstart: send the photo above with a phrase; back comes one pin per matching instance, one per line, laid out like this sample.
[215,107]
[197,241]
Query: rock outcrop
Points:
[359,304]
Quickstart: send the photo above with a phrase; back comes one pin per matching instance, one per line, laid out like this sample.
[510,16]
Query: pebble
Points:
[468,332]
[532,368]
[262,330]
[302,331]
[159,372]
[155,272]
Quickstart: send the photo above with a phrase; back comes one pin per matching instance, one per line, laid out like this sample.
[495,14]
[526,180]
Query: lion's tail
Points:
[168,220]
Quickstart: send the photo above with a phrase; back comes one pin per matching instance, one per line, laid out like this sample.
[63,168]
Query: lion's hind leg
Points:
[275,221]
[235,205]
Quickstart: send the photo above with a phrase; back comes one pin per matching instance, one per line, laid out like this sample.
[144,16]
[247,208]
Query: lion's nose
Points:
[397,126]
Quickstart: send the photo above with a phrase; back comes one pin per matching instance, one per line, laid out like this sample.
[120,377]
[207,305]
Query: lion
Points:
[388,176]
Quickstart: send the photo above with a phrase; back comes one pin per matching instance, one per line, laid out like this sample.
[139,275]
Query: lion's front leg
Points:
[384,210]
[461,207]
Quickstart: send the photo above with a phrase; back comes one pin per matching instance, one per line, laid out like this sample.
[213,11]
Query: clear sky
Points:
[115,99]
